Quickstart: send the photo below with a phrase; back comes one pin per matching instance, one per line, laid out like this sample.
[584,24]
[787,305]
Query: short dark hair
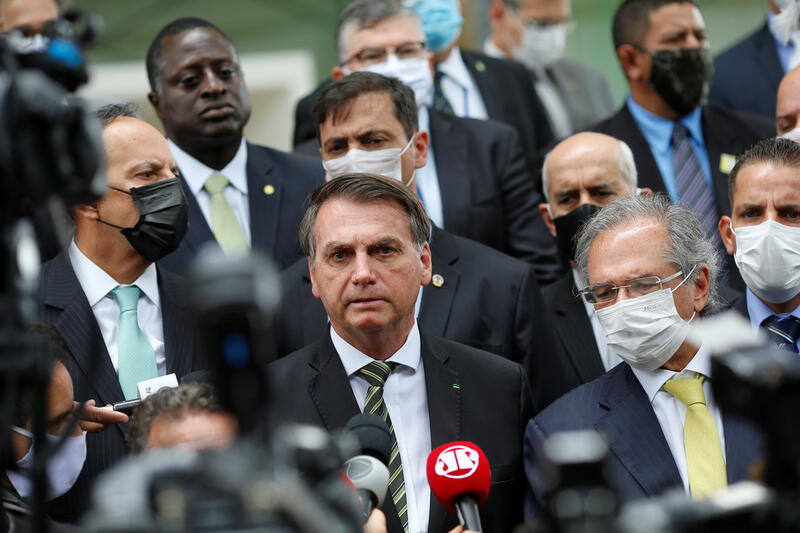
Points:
[42,335]
[336,99]
[775,151]
[363,14]
[111,112]
[364,188]
[155,53]
[174,404]
[632,20]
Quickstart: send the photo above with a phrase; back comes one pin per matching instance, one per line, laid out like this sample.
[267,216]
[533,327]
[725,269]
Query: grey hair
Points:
[110,112]
[688,245]
[364,14]
[625,163]
[362,188]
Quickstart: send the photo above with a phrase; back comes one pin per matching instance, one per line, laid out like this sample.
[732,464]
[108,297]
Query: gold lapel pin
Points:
[269,190]
[480,66]
[726,163]
[438,280]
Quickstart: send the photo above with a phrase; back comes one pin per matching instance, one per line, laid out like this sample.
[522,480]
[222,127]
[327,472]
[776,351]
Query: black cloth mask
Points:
[163,218]
[567,227]
[682,76]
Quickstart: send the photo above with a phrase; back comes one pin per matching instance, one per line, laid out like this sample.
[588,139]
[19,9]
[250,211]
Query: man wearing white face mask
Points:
[650,272]
[534,32]
[763,235]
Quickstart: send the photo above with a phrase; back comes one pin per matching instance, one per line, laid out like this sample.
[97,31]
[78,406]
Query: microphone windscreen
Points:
[456,469]
[373,436]
[368,473]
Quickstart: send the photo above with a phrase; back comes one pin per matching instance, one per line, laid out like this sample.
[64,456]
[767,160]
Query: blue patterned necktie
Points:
[783,331]
[136,358]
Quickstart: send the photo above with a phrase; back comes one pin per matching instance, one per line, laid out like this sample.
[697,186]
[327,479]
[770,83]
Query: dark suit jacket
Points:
[506,90]
[488,300]
[746,76]
[487,192]
[310,386]
[274,217]
[63,304]
[640,462]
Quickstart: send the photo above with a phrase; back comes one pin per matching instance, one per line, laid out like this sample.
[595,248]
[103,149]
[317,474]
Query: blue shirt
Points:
[658,133]
[759,311]
[785,51]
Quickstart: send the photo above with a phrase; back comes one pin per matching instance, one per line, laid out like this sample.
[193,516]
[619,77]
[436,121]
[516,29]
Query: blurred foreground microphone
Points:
[460,476]
[232,301]
[368,471]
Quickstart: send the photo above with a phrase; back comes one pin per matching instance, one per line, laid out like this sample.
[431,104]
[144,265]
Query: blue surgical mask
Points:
[441,21]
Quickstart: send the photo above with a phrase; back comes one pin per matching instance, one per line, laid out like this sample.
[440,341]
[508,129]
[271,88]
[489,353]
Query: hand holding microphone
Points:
[459,476]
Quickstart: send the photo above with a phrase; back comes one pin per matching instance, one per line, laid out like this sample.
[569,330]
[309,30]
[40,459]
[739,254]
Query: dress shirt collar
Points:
[759,311]
[789,46]
[492,50]
[653,380]
[658,130]
[454,68]
[96,282]
[196,173]
[352,359]
[424,120]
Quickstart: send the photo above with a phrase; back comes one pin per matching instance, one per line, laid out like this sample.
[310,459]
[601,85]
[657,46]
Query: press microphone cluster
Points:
[368,471]
[460,476]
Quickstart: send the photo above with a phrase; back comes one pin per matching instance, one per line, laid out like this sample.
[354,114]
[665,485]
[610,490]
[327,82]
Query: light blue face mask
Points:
[441,21]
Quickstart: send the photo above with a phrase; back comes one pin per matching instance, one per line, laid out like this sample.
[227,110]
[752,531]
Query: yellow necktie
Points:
[704,459]
[224,224]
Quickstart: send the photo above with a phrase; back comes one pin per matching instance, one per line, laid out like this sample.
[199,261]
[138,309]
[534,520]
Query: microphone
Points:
[368,471]
[459,477]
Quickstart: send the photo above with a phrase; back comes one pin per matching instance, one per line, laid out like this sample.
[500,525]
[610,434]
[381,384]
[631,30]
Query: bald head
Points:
[27,16]
[787,110]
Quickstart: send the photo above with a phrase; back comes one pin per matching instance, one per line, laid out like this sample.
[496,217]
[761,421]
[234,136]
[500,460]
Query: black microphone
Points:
[368,471]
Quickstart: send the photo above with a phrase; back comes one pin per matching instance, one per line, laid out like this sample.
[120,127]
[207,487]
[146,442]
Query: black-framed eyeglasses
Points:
[373,55]
[607,292]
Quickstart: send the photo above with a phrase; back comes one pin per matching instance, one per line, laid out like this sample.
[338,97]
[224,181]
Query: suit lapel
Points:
[640,446]
[743,445]
[483,82]
[444,399]
[575,330]
[437,302]
[452,170]
[715,139]
[178,333]
[199,231]
[330,389]
[626,128]
[264,200]
[767,58]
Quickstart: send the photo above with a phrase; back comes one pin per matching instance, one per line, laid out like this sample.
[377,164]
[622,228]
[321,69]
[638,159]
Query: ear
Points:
[548,220]
[634,63]
[337,73]
[421,143]
[152,96]
[646,191]
[497,14]
[314,290]
[701,285]
[725,231]
[432,61]
[427,264]
[87,211]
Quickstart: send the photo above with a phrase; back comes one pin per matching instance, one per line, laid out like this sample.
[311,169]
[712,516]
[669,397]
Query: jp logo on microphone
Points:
[457,462]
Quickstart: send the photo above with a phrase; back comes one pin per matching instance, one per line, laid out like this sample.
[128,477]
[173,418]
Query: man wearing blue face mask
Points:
[649,272]
[763,236]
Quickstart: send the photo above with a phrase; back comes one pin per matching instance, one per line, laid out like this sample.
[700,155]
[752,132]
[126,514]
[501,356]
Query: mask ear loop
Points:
[402,152]
[687,276]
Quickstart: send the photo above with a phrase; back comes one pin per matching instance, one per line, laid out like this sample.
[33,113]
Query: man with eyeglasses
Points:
[534,32]
[476,183]
[650,273]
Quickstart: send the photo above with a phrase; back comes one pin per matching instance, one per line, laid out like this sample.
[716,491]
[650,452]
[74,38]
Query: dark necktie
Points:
[783,331]
[440,102]
[376,373]
[693,189]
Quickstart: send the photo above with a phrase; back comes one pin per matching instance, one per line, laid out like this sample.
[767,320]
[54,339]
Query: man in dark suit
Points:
[241,195]
[121,317]
[366,239]
[747,74]
[680,146]
[478,297]
[649,271]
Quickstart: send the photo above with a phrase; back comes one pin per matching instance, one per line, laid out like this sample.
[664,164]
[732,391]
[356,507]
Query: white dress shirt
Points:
[671,412]
[196,174]
[428,179]
[609,357]
[406,398]
[459,88]
[97,285]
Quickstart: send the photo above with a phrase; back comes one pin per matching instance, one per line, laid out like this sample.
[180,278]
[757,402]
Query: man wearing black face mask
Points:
[680,146]
[119,314]
[580,175]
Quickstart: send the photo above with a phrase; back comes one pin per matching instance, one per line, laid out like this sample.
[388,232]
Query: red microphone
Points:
[459,476]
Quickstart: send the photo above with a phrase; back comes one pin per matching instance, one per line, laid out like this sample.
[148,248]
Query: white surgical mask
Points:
[768,257]
[414,72]
[541,46]
[793,135]
[645,331]
[388,162]
[63,468]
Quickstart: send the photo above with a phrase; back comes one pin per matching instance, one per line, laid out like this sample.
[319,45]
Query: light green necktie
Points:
[224,224]
[704,459]
[136,358]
